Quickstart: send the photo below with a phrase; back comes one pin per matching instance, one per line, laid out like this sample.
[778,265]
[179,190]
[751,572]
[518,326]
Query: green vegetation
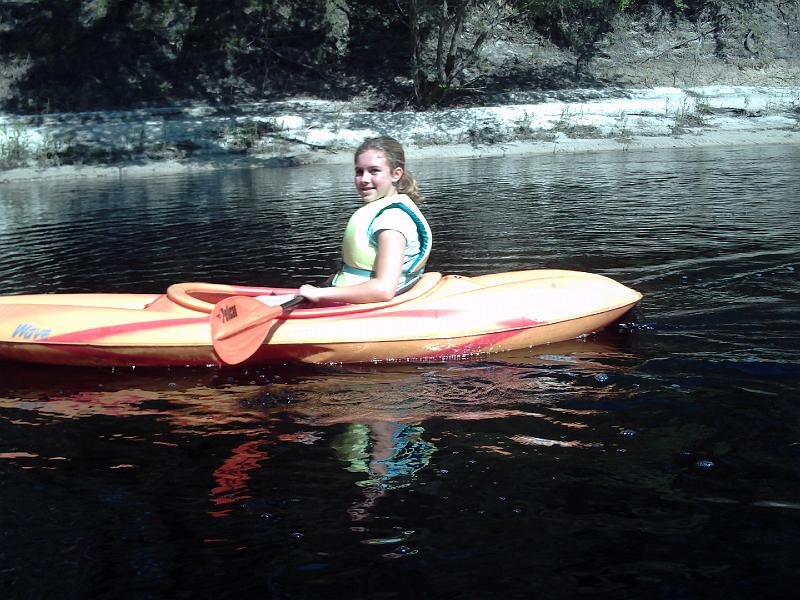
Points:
[622,132]
[701,104]
[18,150]
[689,114]
[14,147]
[247,136]
[68,55]
[569,123]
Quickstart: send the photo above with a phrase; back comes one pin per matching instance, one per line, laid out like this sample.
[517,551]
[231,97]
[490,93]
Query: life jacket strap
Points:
[345,268]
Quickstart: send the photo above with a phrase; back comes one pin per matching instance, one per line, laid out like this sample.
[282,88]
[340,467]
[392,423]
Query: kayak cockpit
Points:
[202,297]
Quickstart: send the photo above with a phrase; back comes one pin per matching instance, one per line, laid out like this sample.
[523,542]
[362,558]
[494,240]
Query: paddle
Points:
[239,325]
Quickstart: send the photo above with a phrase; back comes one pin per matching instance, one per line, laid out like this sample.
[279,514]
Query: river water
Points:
[657,459]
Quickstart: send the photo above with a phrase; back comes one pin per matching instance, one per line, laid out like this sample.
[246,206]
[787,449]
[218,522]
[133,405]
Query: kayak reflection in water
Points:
[387,241]
[390,453]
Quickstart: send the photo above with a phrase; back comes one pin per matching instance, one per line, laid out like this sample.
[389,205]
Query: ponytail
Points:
[408,185]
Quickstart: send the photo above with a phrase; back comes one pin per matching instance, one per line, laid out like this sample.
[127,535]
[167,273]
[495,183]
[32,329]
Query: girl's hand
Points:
[310,292]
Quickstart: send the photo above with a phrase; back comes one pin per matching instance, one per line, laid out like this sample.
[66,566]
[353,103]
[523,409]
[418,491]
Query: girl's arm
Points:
[382,287]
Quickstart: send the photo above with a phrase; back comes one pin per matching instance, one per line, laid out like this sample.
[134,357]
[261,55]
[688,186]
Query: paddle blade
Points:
[239,325]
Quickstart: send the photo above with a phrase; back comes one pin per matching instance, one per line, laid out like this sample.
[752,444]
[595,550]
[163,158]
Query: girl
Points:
[387,241]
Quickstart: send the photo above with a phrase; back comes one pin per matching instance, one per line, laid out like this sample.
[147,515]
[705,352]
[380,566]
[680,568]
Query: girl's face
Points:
[375,179]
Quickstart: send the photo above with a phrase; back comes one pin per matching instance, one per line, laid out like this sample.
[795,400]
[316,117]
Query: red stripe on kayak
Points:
[86,336]
[510,329]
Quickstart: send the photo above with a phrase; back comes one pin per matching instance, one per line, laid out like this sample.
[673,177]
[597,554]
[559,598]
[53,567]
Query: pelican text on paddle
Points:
[27,331]
[227,313]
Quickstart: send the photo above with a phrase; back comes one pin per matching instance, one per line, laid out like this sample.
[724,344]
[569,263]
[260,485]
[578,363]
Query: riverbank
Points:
[151,142]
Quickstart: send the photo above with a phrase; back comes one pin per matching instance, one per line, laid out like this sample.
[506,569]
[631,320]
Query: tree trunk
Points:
[417,73]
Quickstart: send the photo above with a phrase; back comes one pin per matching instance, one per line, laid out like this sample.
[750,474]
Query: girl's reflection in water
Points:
[389,453]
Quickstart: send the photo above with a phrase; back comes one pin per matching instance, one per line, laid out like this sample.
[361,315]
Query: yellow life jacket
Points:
[360,247]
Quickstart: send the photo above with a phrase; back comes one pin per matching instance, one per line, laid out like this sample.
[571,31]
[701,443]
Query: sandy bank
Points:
[168,140]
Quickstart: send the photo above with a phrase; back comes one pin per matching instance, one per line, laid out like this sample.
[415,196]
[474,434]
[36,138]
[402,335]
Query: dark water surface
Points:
[659,459]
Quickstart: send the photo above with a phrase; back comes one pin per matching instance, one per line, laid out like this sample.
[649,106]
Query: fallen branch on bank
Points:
[699,36]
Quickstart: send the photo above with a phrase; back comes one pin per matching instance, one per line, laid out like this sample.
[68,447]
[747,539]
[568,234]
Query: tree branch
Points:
[700,36]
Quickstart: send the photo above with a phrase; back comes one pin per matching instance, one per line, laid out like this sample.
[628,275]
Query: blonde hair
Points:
[396,157]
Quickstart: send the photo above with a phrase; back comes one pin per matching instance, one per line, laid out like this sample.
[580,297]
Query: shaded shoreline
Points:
[170,140]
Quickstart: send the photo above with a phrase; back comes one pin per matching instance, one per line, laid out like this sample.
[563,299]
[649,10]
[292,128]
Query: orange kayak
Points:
[441,318]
